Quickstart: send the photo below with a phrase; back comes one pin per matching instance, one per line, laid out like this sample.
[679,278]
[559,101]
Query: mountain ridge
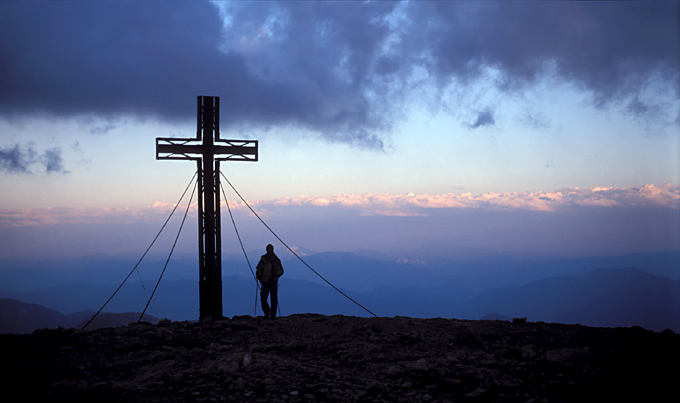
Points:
[378,269]
[629,297]
[603,297]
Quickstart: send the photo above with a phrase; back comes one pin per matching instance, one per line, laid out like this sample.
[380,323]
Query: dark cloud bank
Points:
[338,69]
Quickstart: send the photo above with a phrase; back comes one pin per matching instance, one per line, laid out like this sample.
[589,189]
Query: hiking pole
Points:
[278,301]
[257,288]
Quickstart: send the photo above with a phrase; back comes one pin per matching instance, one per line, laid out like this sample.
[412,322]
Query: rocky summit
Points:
[308,358]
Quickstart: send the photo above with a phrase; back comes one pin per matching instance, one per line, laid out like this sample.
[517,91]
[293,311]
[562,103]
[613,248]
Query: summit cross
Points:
[208,149]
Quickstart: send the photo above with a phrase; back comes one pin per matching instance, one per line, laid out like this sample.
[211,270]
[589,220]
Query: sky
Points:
[528,127]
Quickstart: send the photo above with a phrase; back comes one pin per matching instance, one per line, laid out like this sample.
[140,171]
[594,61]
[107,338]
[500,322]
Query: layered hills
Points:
[572,291]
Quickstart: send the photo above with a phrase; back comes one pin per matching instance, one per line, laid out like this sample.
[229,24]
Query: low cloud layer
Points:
[408,205]
[339,69]
[666,196]
[573,222]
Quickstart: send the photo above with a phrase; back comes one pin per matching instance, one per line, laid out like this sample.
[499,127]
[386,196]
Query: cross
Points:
[208,149]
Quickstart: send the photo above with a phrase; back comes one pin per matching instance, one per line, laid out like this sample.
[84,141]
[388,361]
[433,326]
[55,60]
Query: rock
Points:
[246,360]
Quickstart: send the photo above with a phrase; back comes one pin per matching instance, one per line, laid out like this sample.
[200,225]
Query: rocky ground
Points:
[307,358]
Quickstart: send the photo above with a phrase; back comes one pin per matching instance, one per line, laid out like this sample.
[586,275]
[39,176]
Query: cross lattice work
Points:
[208,149]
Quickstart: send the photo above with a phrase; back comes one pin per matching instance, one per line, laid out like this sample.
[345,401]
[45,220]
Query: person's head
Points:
[270,248]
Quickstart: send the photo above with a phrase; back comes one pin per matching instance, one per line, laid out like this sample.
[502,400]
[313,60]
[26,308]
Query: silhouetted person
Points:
[269,269]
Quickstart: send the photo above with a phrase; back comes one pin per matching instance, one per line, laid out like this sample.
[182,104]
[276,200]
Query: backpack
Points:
[266,272]
[269,270]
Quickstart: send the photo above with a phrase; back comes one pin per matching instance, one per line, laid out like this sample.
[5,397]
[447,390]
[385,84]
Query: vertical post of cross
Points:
[208,149]
[210,260]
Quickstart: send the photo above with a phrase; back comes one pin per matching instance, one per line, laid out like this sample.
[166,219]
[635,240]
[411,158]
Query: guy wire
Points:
[186,212]
[147,251]
[292,251]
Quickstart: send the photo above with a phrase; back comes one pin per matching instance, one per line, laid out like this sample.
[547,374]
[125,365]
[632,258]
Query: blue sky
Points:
[530,127]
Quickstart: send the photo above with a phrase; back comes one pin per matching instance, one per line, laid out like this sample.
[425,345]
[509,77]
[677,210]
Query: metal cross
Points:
[208,149]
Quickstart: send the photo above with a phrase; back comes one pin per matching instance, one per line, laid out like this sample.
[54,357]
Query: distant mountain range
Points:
[64,293]
[603,297]
[363,271]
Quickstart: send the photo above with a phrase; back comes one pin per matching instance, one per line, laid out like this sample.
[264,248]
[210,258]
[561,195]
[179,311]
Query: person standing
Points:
[269,269]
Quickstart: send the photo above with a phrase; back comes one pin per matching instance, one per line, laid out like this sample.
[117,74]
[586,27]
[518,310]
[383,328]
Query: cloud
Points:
[151,59]
[53,160]
[16,159]
[368,204]
[36,217]
[484,118]
[19,158]
[339,70]
[103,128]
[570,221]
[648,196]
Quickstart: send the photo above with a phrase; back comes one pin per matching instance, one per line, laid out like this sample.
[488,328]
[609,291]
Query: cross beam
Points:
[208,149]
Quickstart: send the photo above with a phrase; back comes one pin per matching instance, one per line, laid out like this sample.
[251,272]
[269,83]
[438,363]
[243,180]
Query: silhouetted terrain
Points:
[19,317]
[305,358]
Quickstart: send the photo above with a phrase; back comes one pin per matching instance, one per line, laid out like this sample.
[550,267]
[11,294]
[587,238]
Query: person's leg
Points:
[264,293]
[275,299]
